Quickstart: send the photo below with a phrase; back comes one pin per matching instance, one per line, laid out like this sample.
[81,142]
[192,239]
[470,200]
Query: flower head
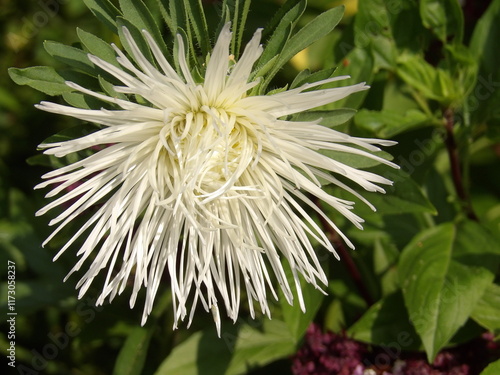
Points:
[203,180]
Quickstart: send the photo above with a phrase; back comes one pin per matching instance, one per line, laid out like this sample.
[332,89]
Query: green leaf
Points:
[444,17]
[404,196]
[133,353]
[278,16]
[307,77]
[314,30]
[105,11]
[71,56]
[198,24]
[433,83]
[386,324]
[239,21]
[296,320]
[97,47]
[484,42]
[368,26]
[487,311]
[388,123]
[240,348]
[137,37]
[331,119]
[484,46]
[492,369]
[359,66]
[139,15]
[444,271]
[282,33]
[41,78]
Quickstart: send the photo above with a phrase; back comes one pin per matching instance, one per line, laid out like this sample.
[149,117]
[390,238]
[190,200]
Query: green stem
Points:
[456,173]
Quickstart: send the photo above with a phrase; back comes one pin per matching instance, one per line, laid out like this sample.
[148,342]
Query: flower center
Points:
[208,150]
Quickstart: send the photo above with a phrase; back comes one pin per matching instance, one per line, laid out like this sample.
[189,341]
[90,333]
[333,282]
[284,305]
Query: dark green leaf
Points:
[444,17]
[314,30]
[199,24]
[105,11]
[240,348]
[386,323]
[484,46]
[139,15]
[444,271]
[282,33]
[133,353]
[403,197]
[41,78]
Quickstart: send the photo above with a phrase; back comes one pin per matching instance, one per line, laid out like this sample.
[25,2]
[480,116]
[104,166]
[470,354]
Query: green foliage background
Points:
[429,257]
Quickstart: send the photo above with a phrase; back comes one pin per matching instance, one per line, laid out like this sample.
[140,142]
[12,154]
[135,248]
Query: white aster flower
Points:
[205,182]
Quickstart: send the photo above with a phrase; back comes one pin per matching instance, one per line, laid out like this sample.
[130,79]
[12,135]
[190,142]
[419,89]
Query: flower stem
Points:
[456,173]
[338,244]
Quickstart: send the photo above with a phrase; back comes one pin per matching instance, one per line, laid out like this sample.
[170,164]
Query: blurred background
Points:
[58,334]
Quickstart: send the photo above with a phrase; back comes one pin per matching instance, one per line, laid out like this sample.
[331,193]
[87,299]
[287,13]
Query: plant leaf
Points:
[41,78]
[492,369]
[311,32]
[71,56]
[487,311]
[444,271]
[240,348]
[105,11]
[386,323]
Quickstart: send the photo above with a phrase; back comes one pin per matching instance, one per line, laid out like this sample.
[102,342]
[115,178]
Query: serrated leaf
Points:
[41,78]
[444,271]
[97,47]
[282,33]
[311,32]
[240,348]
[136,36]
[487,311]
[198,24]
[386,323]
[105,11]
[139,15]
